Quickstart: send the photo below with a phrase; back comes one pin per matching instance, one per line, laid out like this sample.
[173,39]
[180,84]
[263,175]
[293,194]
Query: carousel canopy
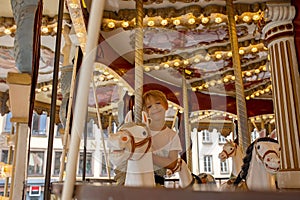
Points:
[181,38]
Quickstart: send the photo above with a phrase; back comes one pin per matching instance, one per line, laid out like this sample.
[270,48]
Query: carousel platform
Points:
[109,191]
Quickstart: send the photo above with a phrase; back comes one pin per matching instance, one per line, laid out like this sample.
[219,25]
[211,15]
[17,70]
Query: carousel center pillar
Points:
[279,35]
[19,95]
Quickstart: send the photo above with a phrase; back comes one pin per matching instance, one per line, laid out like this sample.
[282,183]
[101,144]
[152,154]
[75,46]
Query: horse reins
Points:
[265,154]
[230,153]
[177,167]
[139,144]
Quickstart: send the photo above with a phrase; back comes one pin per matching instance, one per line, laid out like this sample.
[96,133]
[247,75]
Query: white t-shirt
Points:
[165,141]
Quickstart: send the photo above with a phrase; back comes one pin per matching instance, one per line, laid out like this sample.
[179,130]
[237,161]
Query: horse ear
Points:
[145,118]
[128,117]
[262,133]
[273,134]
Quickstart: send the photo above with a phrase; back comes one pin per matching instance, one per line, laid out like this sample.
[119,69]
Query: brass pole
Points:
[174,119]
[244,139]
[101,129]
[186,123]
[9,161]
[139,61]
[67,128]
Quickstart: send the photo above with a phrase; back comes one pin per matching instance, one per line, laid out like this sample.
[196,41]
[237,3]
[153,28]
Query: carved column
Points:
[279,35]
[19,89]
[24,13]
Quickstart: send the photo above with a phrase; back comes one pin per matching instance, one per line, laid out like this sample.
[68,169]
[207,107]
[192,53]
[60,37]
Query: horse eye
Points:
[258,147]
[144,133]
[279,149]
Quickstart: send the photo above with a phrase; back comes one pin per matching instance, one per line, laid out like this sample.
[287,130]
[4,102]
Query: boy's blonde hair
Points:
[157,95]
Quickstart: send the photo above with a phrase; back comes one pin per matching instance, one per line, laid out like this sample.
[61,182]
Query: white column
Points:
[19,93]
[20,161]
[279,34]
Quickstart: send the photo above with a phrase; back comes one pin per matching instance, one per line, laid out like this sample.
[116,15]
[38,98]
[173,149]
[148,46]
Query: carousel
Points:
[230,65]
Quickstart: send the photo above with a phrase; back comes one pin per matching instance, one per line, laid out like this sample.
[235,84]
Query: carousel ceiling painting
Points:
[181,38]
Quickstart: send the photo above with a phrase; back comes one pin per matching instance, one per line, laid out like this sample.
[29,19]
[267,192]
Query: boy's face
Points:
[155,109]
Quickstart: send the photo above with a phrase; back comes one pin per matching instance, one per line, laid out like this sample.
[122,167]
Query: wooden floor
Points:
[99,191]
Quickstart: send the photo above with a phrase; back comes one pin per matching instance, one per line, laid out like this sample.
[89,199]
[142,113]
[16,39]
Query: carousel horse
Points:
[132,143]
[187,178]
[261,163]
[233,150]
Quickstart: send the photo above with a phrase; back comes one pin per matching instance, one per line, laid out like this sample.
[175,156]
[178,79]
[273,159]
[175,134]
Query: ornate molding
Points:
[279,19]
[280,12]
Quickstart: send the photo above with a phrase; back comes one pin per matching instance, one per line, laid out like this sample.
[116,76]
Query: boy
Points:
[166,144]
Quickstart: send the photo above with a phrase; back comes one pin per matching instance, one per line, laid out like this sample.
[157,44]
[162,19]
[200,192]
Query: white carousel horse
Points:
[261,163]
[133,143]
[187,178]
[233,150]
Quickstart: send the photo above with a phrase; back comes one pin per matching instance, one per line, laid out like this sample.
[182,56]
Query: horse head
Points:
[229,149]
[131,141]
[261,162]
[267,152]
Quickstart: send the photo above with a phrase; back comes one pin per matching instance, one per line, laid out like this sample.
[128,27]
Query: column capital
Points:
[279,17]
[277,11]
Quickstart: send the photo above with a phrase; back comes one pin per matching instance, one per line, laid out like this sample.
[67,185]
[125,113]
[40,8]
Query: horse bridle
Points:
[139,144]
[230,153]
[261,158]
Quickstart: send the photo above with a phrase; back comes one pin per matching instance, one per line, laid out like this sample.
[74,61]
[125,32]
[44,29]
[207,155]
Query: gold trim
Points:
[19,119]
[18,78]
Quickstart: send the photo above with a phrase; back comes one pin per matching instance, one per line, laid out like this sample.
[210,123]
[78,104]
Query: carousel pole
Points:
[138,81]
[101,129]
[244,138]
[67,128]
[174,119]
[47,193]
[139,61]
[82,94]
[186,124]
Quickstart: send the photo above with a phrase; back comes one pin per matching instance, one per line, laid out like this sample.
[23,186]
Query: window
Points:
[89,162]
[224,166]
[105,133]
[36,163]
[4,156]
[254,135]
[8,124]
[90,129]
[208,163]
[206,136]
[59,130]
[57,158]
[115,127]
[222,139]
[103,167]
[39,123]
